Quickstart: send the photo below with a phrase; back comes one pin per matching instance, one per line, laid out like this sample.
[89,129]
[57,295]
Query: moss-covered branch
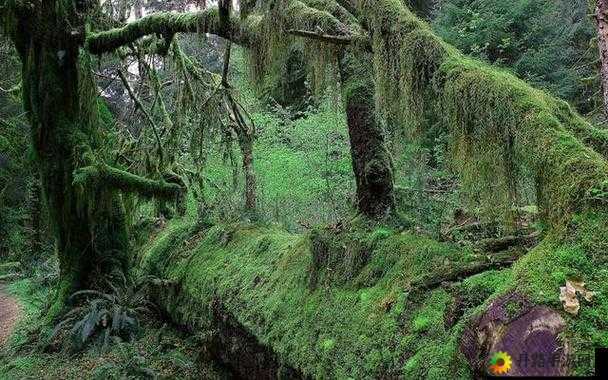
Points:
[350,6]
[332,7]
[166,24]
[105,176]
[337,40]
[298,15]
[502,130]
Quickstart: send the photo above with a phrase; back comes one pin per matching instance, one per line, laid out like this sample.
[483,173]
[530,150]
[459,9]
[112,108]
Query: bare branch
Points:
[140,106]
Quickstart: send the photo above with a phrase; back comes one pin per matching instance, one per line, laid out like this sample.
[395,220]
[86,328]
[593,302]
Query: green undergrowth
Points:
[158,352]
[333,303]
[302,164]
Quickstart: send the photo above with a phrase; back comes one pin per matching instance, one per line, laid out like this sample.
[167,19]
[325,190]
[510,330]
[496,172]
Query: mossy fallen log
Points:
[369,323]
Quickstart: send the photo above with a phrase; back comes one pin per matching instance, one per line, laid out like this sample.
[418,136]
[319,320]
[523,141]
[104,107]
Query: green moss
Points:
[165,23]
[476,289]
[102,176]
[271,42]
[371,321]
[508,140]
[367,325]
[505,135]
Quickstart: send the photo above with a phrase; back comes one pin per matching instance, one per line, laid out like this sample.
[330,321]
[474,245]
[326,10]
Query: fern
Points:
[99,318]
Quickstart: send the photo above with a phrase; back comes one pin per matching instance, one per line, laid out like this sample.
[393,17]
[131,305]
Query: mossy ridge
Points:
[367,325]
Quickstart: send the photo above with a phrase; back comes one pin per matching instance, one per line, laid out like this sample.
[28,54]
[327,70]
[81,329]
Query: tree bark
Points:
[244,130]
[250,181]
[60,99]
[601,15]
[36,217]
[138,8]
[370,158]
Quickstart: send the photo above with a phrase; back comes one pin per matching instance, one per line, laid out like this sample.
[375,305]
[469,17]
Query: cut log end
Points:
[528,333]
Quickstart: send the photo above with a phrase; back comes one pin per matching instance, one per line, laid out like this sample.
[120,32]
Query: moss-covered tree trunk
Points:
[36,217]
[601,15]
[371,161]
[60,99]
[246,145]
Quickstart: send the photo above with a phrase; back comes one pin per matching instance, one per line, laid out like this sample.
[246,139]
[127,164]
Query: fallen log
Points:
[248,288]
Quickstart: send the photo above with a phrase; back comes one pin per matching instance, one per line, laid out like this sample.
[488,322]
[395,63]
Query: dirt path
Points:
[9,315]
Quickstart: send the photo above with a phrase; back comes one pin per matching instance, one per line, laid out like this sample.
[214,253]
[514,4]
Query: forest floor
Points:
[159,351]
[9,315]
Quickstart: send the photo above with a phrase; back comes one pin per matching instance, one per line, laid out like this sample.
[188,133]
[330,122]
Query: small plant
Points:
[103,317]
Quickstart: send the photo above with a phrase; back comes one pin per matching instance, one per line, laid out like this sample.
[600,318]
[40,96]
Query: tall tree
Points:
[60,98]
[371,161]
[601,16]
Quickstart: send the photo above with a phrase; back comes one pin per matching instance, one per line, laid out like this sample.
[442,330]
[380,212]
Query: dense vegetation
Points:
[548,43]
[300,188]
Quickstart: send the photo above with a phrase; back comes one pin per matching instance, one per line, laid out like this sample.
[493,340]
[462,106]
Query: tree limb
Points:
[298,16]
[301,16]
[166,24]
[102,175]
[140,106]
[350,6]
[346,15]
[336,40]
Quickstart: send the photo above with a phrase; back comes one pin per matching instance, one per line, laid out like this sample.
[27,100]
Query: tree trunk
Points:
[246,145]
[244,130]
[371,161]
[60,99]
[36,223]
[601,14]
[138,8]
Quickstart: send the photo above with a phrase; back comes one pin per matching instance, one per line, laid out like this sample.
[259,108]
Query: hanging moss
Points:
[272,42]
[503,135]
[501,129]
[67,118]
